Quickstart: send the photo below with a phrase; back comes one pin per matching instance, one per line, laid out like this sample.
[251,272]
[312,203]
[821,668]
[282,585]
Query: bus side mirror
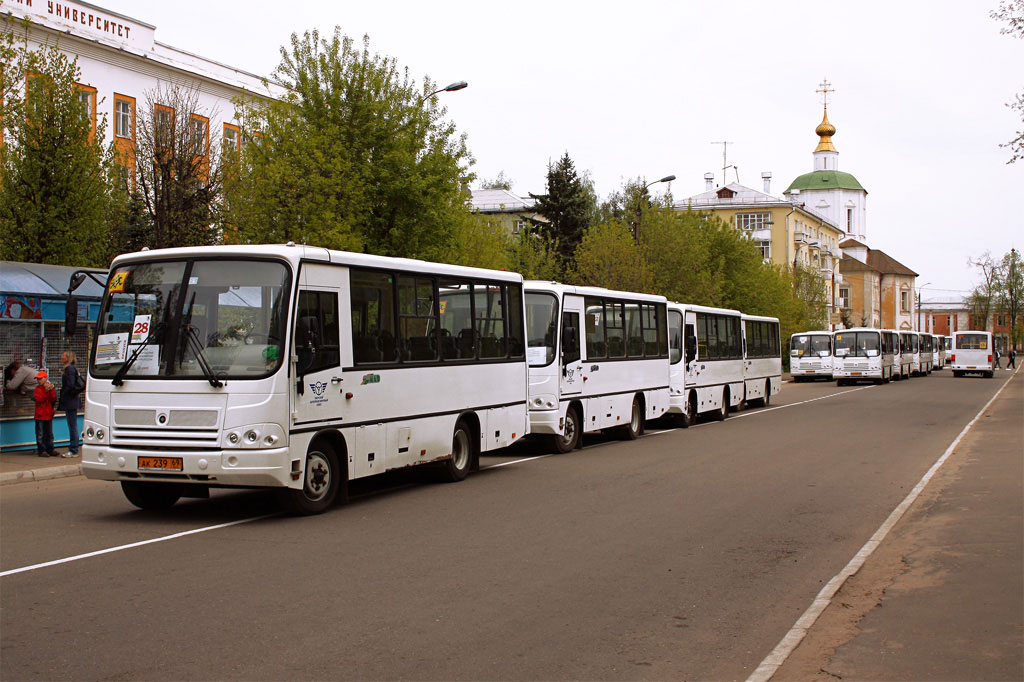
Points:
[691,349]
[70,316]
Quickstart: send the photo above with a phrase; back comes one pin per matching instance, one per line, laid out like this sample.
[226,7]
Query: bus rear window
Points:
[972,342]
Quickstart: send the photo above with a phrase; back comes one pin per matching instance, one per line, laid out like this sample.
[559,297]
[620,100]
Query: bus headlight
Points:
[543,402]
[93,433]
[253,436]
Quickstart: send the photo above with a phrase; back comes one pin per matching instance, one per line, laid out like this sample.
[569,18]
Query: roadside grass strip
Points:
[770,665]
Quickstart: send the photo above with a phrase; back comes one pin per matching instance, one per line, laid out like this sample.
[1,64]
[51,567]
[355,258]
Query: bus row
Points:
[883,355]
[302,368]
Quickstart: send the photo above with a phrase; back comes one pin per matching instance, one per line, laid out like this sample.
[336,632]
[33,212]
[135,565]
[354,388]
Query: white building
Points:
[122,64]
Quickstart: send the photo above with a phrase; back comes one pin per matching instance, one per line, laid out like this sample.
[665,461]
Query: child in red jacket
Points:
[45,395]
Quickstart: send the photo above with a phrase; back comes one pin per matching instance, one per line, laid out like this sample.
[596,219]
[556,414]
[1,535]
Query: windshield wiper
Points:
[157,331]
[192,334]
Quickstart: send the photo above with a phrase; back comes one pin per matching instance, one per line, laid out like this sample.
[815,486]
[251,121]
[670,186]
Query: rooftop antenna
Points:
[725,164]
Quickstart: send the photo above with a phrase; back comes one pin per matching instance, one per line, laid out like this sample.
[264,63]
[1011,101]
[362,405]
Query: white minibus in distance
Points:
[810,356]
[862,353]
[927,354]
[298,368]
[707,361]
[598,359]
[910,346]
[972,353]
[938,352]
[762,359]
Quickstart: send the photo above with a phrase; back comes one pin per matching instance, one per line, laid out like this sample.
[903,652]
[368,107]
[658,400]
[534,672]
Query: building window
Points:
[86,96]
[766,251]
[163,127]
[518,226]
[200,135]
[752,221]
[124,117]
[849,220]
[905,301]
[232,138]
[844,298]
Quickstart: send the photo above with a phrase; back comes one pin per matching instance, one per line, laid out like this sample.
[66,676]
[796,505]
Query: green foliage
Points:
[568,207]
[355,156]
[1011,12]
[607,257]
[479,241]
[54,197]
[500,182]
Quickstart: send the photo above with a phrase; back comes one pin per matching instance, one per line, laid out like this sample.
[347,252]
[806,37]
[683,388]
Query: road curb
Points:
[49,473]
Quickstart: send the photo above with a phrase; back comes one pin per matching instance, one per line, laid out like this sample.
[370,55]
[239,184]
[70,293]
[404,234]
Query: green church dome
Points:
[825,179]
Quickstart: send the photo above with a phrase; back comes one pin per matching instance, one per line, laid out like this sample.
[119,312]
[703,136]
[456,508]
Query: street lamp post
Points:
[451,87]
[639,198]
[919,304]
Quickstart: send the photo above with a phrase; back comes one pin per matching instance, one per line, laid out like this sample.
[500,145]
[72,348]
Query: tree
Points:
[501,182]
[607,257]
[354,156]
[981,299]
[1012,13]
[172,175]
[567,207]
[54,196]
[1009,294]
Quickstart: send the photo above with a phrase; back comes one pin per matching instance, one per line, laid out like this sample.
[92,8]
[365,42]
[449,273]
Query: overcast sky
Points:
[644,89]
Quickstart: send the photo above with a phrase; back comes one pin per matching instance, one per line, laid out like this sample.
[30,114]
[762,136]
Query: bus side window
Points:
[316,340]
[570,338]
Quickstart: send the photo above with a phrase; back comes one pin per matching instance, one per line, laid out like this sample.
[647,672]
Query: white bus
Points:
[762,359]
[862,353]
[598,360]
[972,353]
[298,368]
[927,354]
[938,352]
[910,347]
[707,361]
[810,356]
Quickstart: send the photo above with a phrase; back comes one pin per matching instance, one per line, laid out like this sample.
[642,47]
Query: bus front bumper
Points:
[265,467]
[546,422]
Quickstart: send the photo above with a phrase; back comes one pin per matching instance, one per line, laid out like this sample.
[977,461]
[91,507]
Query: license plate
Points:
[810,371]
[855,374]
[161,463]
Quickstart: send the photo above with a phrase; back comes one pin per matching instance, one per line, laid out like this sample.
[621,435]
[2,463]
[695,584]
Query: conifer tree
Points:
[566,207]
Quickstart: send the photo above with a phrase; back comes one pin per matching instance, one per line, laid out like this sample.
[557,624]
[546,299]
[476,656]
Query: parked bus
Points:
[598,359]
[863,353]
[947,343]
[762,359]
[298,368]
[927,354]
[707,361]
[939,352]
[810,356]
[910,362]
[972,353]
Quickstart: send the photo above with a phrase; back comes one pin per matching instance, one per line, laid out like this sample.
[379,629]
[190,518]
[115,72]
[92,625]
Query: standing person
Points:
[1013,359]
[70,400]
[45,395]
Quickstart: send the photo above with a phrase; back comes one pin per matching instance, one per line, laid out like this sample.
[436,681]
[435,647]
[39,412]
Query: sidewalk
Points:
[24,466]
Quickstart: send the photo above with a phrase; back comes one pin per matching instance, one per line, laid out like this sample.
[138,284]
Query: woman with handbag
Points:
[71,399]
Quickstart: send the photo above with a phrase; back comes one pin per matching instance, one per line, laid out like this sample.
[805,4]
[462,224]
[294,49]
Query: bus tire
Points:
[635,427]
[456,467]
[146,495]
[689,417]
[989,375]
[722,413]
[570,436]
[320,482]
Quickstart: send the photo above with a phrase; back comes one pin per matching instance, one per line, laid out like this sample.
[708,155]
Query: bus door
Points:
[690,358]
[318,389]
[571,361]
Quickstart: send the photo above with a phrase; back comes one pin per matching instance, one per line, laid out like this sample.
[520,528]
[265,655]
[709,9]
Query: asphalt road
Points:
[684,555]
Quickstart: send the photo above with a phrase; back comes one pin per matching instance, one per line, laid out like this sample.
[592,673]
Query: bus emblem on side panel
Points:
[318,388]
[370,379]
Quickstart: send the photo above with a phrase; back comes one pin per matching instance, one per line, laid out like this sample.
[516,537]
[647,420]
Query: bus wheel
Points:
[570,434]
[146,495]
[635,427]
[457,467]
[722,412]
[689,418]
[319,485]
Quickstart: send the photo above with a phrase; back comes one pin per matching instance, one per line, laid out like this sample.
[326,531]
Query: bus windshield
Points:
[856,344]
[972,342]
[541,328]
[193,318]
[813,345]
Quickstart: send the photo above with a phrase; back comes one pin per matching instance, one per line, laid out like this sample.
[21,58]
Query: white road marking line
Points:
[131,545]
[770,665]
[514,461]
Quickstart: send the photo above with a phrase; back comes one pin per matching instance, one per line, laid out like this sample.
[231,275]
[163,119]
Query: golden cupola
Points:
[825,131]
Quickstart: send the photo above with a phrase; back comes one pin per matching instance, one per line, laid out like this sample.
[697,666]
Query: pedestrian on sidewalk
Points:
[19,377]
[1013,359]
[45,395]
[70,400]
